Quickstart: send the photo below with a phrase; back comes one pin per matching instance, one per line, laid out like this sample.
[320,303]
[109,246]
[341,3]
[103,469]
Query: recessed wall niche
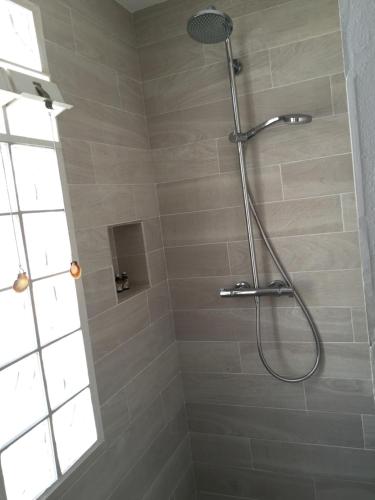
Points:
[129,256]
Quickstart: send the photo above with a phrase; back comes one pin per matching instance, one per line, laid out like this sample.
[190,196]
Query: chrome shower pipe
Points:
[241,154]
[250,214]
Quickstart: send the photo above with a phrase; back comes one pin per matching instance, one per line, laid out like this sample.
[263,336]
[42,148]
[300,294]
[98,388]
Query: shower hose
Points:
[299,301]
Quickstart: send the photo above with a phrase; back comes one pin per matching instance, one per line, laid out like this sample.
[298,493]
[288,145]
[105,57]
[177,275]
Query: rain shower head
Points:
[292,119]
[210,26]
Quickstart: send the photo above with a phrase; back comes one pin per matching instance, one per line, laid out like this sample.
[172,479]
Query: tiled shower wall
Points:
[252,436]
[146,453]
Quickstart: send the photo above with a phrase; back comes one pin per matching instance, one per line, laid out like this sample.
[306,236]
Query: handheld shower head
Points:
[291,119]
[210,26]
[296,119]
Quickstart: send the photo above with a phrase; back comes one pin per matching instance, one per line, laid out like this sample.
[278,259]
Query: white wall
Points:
[358,29]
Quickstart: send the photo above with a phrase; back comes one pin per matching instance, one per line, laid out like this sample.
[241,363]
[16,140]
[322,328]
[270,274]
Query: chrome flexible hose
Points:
[299,301]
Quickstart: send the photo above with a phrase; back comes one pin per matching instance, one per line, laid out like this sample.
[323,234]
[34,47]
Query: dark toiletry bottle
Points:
[125,281]
[119,284]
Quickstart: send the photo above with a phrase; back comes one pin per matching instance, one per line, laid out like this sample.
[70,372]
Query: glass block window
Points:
[47,418]
[18,36]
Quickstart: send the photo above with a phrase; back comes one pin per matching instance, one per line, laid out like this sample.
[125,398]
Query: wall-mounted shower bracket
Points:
[237,66]
[243,289]
[236,137]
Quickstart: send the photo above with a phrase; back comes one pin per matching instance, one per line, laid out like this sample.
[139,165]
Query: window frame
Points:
[56,145]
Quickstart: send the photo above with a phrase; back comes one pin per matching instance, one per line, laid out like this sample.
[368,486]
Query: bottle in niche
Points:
[125,281]
[119,284]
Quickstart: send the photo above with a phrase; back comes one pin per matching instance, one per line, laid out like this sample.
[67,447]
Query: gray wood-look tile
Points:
[95,122]
[289,218]
[331,288]
[339,360]
[115,416]
[320,177]
[164,58]
[81,77]
[158,300]
[173,398]
[287,324]
[185,162]
[118,367]
[338,85]
[119,324]
[204,193]
[99,291]
[120,165]
[279,425]
[283,24]
[369,431]
[186,489]
[214,357]
[221,450]
[304,216]
[110,17]
[118,459]
[156,266]
[331,489]
[200,260]
[139,479]
[218,191]
[339,462]
[205,84]
[97,45]
[265,183]
[162,25]
[242,389]
[307,59]
[204,227]
[349,211]
[360,327]
[57,25]
[152,234]
[337,395]
[215,120]
[165,483]
[213,496]
[300,253]
[131,94]
[98,205]
[146,201]
[93,249]
[250,484]
[153,380]
[242,7]
[78,162]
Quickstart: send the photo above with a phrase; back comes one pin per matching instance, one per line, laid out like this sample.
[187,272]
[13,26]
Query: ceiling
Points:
[133,5]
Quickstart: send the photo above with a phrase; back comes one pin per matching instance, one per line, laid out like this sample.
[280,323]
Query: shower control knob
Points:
[277,284]
[241,285]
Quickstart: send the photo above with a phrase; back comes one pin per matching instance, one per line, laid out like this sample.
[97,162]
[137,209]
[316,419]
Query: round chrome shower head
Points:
[296,119]
[210,26]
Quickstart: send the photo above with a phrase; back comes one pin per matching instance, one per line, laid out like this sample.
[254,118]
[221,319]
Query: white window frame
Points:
[11,140]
